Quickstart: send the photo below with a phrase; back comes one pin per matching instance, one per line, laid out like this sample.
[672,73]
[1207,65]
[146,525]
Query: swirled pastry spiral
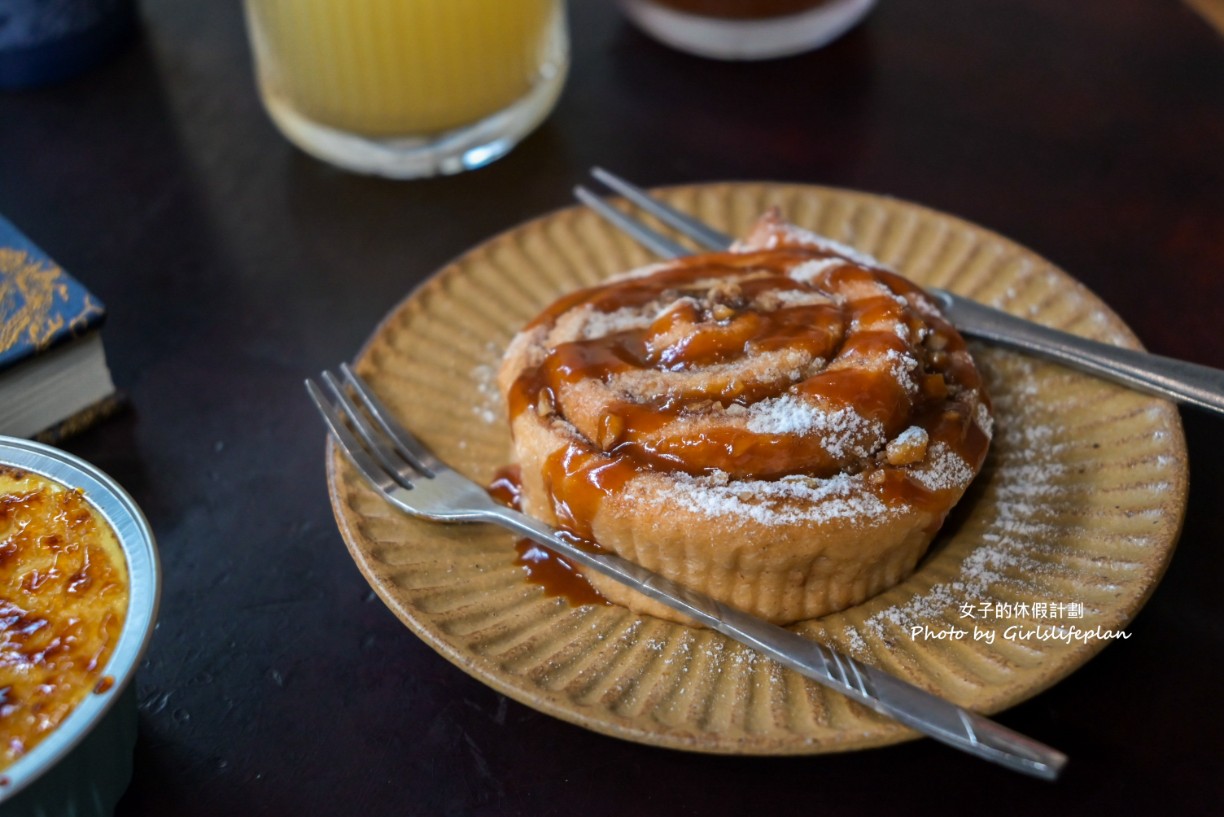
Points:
[783,426]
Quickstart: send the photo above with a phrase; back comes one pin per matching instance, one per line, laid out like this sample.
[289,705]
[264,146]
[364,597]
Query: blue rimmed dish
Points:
[85,764]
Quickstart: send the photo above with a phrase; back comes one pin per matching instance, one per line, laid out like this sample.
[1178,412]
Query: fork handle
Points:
[869,686]
[1179,380]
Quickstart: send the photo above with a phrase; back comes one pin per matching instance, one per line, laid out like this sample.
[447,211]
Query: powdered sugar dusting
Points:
[844,432]
[798,235]
[943,470]
[984,420]
[902,367]
[601,324]
[808,271]
[489,407]
[855,640]
[800,297]
[788,500]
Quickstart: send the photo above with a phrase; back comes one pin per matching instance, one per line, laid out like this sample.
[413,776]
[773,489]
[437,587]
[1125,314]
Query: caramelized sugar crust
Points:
[62,605]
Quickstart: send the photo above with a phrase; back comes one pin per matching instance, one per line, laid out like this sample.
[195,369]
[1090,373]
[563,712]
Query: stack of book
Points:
[54,380]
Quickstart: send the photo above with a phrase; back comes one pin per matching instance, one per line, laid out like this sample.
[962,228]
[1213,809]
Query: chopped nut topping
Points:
[768,301]
[544,405]
[726,292]
[909,447]
[612,428]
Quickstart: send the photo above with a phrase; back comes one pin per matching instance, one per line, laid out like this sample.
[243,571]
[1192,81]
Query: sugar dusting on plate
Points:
[1027,478]
[489,406]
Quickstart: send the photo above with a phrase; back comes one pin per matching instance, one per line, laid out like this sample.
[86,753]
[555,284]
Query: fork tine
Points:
[348,443]
[656,242]
[375,442]
[409,447]
[702,233]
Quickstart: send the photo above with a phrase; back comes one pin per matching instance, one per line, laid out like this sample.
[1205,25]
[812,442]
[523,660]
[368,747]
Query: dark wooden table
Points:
[234,266]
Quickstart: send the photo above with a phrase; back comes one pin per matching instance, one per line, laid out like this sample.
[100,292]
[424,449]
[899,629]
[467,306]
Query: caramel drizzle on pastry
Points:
[862,375]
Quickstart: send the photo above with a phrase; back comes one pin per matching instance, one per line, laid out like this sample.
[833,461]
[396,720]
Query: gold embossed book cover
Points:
[53,374]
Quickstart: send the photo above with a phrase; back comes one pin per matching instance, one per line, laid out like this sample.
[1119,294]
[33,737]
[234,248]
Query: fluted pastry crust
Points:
[783,426]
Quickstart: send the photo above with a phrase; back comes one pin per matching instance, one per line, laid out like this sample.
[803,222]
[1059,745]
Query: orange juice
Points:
[408,88]
[386,68]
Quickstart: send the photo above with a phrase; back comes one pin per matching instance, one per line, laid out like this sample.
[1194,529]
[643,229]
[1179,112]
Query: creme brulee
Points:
[388,68]
[63,604]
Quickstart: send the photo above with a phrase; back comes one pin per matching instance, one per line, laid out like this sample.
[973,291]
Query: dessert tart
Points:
[63,605]
[783,426]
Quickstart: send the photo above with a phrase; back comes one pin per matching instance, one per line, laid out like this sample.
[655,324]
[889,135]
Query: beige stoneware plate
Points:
[1079,505]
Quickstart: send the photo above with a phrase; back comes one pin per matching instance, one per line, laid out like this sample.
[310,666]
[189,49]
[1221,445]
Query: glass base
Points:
[452,151]
[747,39]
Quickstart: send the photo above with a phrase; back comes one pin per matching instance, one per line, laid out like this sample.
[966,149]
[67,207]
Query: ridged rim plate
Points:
[1079,504]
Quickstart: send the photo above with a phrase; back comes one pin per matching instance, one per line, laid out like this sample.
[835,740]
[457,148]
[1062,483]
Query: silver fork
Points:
[414,480]
[1168,377]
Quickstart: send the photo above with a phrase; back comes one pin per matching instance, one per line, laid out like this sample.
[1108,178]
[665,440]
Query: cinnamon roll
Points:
[783,426]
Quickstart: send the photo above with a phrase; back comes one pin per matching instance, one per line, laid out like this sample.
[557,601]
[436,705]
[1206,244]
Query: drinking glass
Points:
[408,88]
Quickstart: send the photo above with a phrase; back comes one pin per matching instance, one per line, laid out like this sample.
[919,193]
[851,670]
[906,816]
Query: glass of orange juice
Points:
[408,88]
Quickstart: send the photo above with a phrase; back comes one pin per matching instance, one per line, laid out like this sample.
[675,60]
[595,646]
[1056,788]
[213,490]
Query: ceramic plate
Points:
[1055,548]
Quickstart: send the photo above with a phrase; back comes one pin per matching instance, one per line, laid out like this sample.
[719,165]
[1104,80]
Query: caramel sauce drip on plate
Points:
[555,574]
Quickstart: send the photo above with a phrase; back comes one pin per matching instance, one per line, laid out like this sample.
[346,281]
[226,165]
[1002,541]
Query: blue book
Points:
[54,379]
